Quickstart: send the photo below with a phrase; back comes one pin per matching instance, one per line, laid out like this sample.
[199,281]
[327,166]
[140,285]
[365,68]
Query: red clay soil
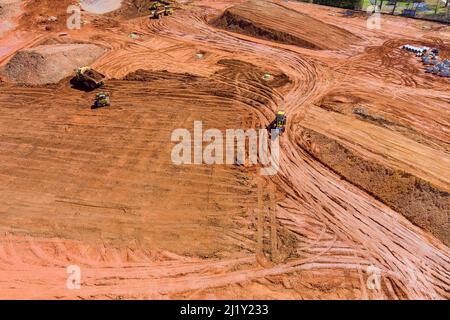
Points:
[97,188]
[274,22]
[422,203]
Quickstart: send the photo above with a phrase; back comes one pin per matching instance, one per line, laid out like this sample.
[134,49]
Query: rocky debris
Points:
[44,19]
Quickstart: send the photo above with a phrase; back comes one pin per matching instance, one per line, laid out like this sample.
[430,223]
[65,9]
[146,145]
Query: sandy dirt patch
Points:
[9,9]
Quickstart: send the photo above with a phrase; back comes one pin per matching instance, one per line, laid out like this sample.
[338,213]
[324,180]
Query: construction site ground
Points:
[364,175]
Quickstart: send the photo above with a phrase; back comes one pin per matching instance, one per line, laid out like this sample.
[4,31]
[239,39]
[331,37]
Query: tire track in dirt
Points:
[337,226]
[395,244]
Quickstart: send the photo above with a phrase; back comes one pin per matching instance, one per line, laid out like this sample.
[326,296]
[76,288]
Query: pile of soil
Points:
[261,19]
[49,63]
[146,75]
[8,10]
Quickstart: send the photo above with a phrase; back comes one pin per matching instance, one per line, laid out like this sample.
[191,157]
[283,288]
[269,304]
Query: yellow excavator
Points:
[89,78]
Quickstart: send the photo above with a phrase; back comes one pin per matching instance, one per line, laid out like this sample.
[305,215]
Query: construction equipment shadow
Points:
[74,84]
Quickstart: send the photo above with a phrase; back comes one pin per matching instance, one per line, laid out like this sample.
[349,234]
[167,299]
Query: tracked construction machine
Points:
[159,9]
[88,78]
[278,126]
[101,100]
[280,122]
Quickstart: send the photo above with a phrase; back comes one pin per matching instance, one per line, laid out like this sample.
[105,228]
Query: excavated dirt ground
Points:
[363,180]
[49,63]
[262,19]
[9,11]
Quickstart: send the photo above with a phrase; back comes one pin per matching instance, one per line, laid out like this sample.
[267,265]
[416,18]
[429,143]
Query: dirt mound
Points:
[8,10]
[249,73]
[145,75]
[274,22]
[49,63]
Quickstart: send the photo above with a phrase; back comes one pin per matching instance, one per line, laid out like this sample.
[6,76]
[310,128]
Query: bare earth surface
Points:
[49,63]
[363,183]
[9,10]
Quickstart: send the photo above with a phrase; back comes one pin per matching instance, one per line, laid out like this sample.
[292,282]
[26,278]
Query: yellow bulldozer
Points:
[101,100]
[278,125]
[280,122]
[159,9]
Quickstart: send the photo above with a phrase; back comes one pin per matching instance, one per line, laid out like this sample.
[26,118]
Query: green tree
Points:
[347,4]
